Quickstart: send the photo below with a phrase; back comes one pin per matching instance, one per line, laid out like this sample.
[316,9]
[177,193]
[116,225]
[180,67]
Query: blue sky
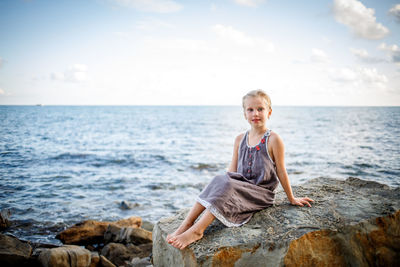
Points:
[166,52]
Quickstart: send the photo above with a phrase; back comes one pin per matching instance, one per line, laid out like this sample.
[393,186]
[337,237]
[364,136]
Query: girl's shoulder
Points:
[275,139]
[239,138]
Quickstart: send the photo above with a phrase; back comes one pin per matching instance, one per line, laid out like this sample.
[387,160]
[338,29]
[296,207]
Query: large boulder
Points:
[352,223]
[14,252]
[119,254]
[65,256]
[127,235]
[5,219]
[92,232]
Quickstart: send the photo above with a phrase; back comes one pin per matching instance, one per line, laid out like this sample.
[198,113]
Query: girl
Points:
[248,186]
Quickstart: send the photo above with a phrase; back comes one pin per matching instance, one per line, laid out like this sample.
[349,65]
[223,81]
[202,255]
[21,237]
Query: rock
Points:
[67,256]
[339,229]
[92,232]
[14,252]
[138,262]
[374,242]
[118,253]
[5,219]
[126,205]
[104,262]
[94,259]
[148,226]
[127,235]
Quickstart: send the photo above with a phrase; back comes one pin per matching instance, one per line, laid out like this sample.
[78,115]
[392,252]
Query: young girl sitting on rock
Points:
[257,167]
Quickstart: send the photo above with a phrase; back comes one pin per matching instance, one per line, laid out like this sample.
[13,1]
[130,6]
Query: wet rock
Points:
[5,219]
[65,256]
[127,235]
[118,253]
[92,232]
[138,262]
[94,259]
[14,252]
[104,262]
[352,223]
[126,205]
[147,226]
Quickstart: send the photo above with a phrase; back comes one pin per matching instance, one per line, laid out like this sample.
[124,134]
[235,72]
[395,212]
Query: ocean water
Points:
[60,165]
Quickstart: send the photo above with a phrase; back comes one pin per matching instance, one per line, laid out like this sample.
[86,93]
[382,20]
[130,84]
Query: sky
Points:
[175,52]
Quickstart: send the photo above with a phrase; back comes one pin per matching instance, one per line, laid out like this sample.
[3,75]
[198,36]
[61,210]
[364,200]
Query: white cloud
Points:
[371,75]
[239,38]
[363,56]
[2,92]
[360,19]
[75,73]
[360,76]
[249,3]
[319,56]
[213,7]
[343,75]
[1,62]
[395,11]
[157,6]
[392,50]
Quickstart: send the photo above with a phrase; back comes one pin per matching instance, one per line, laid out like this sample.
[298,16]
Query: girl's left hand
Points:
[301,201]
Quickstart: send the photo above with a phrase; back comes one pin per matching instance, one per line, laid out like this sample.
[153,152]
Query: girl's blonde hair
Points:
[259,93]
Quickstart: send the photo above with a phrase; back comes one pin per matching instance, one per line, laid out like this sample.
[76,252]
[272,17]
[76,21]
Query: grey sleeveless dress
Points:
[234,197]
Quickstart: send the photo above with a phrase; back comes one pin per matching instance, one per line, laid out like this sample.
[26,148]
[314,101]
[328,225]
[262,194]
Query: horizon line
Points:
[179,105]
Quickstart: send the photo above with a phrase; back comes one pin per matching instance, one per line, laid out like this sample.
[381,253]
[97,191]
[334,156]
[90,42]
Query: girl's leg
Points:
[194,233]
[194,212]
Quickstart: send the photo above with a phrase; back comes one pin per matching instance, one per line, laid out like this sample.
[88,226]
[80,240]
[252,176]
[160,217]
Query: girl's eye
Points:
[260,109]
[250,109]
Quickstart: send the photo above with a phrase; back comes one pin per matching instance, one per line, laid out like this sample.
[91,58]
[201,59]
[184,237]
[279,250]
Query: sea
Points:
[60,165]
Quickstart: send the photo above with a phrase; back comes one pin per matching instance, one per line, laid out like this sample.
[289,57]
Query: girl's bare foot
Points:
[183,240]
[181,229]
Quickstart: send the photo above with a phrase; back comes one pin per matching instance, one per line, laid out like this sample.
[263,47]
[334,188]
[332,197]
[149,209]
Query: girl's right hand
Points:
[302,201]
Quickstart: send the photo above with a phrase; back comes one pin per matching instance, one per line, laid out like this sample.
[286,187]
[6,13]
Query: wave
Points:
[95,160]
[205,166]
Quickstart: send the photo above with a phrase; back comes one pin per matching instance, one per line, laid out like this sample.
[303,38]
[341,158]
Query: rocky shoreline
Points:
[87,244]
[353,222]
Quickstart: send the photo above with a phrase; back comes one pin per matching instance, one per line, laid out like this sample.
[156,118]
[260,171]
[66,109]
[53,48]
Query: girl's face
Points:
[256,111]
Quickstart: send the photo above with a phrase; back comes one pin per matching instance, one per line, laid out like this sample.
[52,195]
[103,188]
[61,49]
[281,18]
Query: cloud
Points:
[319,56]
[343,75]
[392,50]
[157,6]
[249,3]
[2,92]
[76,73]
[239,38]
[1,62]
[395,11]
[363,56]
[360,76]
[360,19]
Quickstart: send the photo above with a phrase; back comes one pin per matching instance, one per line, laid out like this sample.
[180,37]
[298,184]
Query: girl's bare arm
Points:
[278,150]
[233,165]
